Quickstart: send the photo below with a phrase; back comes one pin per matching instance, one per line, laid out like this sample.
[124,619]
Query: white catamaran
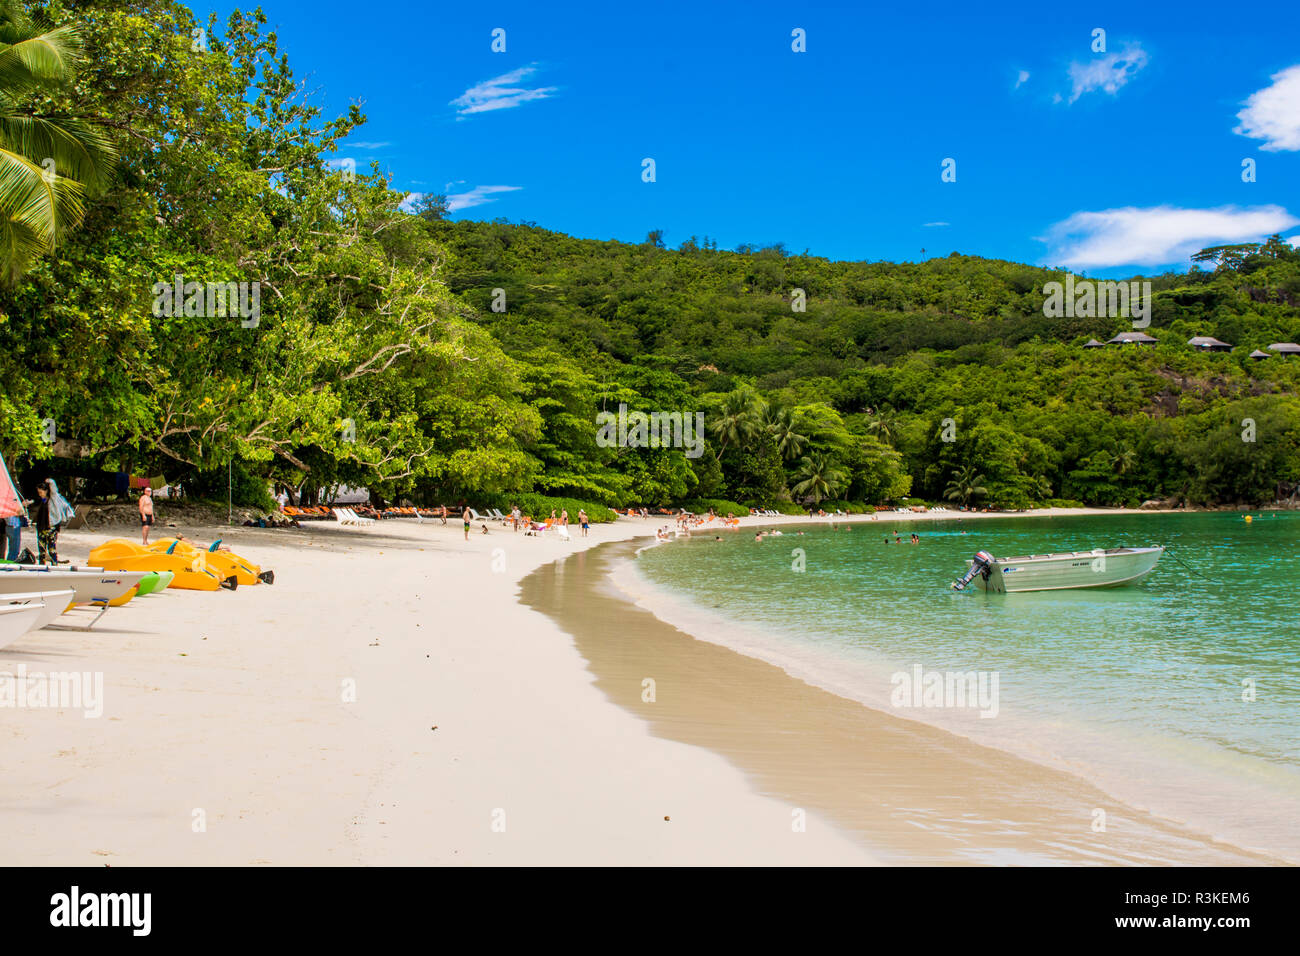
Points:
[1100,568]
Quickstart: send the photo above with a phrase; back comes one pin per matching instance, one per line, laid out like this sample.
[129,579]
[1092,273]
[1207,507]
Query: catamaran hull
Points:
[88,587]
[1116,568]
[53,603]
[16,620]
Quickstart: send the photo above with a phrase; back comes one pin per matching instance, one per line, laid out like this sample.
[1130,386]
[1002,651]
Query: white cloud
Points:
[501,93]
[1273,113]
[1295,240]
[1021,78]
[477,197]
[368,145]
[1160,235]
[930,224]
[408,204]
[1108,73]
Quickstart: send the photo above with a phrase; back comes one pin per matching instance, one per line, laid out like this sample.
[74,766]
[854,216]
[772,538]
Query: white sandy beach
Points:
[229,707]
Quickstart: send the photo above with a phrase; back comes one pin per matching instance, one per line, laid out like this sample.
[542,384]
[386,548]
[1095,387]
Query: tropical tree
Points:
[819,478]
[884,424]
[780,423]
[965,485]
[49,157]
[1124,460]
[740,419]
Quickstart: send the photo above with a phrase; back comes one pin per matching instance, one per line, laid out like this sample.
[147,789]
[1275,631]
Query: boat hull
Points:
[53,603]
[1113,568]
[17,619]
[88,587]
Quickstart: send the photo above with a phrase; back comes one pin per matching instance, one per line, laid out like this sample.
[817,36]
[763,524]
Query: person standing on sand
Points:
[564,518]
[47,531]
[13,537]
[442,510]
[514,516]
[146,514]
[582,520]
[466,517]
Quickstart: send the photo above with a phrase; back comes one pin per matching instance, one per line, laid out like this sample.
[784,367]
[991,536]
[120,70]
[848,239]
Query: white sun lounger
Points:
[346,516]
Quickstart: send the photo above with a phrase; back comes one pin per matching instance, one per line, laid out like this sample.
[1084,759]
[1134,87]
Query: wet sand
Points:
[907,792]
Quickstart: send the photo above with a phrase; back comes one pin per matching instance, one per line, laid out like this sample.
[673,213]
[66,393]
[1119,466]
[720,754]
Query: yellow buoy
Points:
[1249,518]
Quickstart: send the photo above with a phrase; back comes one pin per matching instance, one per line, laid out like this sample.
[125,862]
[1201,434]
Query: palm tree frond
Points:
[39,59]
[46,205]
[79,150]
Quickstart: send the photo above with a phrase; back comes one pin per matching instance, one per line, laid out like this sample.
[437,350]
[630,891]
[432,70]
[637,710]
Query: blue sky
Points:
[1107,162]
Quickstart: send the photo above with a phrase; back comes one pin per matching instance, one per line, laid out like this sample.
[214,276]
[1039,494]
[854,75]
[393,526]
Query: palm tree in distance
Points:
[48,159]
[781,425]
[965,485]
[885,424]
[819,478]
[1124,461]
[739,420]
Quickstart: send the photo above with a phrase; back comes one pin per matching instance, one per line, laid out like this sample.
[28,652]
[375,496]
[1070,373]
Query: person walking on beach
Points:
[515,516]
[582,520]
[146,514]
[466,518]
[443,511]
[564,518]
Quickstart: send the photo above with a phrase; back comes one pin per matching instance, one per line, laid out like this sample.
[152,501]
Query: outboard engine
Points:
[981,564]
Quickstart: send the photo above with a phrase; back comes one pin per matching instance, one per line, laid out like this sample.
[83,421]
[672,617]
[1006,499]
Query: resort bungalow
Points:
[1132,338]
[1285,348]
[1208,343]
[1093,344]
[1257,355]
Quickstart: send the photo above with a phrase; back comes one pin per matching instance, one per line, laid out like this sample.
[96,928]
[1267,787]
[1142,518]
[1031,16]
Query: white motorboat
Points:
[17,619]
[1100,568]
[53,603]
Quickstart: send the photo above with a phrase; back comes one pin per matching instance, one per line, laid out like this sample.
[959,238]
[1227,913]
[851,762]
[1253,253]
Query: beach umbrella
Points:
[11,502]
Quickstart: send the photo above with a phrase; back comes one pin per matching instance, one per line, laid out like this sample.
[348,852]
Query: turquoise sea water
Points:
[1139,690]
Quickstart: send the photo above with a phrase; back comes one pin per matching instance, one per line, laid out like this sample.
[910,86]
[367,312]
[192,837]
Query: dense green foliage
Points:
[943,379]
[439,360]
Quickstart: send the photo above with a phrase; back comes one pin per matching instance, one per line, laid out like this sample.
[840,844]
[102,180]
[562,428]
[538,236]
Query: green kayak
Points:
[154,581]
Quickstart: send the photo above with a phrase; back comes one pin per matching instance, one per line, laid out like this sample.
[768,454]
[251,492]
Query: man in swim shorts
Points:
[146,514]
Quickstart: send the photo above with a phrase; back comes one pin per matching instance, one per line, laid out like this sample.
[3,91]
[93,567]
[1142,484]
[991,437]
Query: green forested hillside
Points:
[885,352]
[380,356]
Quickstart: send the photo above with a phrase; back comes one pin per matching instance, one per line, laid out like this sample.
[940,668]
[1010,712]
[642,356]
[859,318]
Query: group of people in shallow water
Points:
[898,539]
